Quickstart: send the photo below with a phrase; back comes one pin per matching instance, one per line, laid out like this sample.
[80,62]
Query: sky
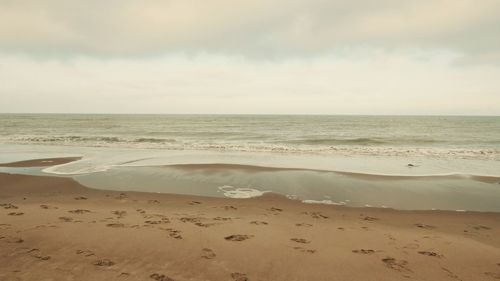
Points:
[426,57]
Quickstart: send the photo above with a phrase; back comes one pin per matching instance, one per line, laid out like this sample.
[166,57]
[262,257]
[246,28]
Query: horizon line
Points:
[254,114]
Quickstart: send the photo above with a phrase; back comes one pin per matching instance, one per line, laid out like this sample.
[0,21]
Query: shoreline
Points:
[96,159]
[267,195]
[453,192]
[54,227]
[56,161]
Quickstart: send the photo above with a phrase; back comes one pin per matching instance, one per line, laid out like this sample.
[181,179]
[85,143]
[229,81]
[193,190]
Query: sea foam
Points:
[236,192]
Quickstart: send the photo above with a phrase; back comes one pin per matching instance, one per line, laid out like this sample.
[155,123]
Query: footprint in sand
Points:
[46,207]
[36,254]
[208,254]
[104,262]
[115,225]
[194,203]
[481,227]
[154,216]
[81,198]
[8,206]
[303,250]
[46,226]
[121,196]
[230,208]
[364,251]
[430,254]
[5,226]
[236,276]
[12,239]
[16,214]
[162,221]
[66,219]
[160,277]
[195,221]
[43,258]
[120,214]
[390,237]
[424,226]
[273,209]
[398,265]
[315,215]
[174,233]
[300,240]
[238,237]
[259,222]
[367,218]
[85,253]
[79,211]
[303,224]
[222,219]
[153,202]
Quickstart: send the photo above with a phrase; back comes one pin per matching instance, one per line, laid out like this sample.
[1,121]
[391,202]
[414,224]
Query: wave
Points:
[364,141]
[154,140]
[49,139]
[333,141]
[91,139]
[323,146]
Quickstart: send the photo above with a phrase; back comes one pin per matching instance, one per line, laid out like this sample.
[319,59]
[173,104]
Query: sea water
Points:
[415,146]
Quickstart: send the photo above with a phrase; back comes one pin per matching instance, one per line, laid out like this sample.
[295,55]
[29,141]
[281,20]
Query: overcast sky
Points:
[280,56]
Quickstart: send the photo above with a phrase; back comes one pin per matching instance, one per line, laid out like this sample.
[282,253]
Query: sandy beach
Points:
[53,228]
[250,140]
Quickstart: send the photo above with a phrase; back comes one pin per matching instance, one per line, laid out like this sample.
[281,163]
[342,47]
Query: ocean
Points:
[319,152]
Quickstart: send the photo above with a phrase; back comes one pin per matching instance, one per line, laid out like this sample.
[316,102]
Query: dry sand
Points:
[52,228]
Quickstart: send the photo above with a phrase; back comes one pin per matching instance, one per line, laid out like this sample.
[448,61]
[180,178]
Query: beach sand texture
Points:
[53,228]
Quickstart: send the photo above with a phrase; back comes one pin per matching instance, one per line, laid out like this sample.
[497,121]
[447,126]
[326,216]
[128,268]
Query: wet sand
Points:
[53,228]
[45,162]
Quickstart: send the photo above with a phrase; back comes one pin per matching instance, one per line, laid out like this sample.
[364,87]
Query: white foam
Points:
[237,192]
[327,202]
[83,166]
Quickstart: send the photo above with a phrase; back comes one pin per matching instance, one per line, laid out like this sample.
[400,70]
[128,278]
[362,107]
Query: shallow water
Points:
[408,193]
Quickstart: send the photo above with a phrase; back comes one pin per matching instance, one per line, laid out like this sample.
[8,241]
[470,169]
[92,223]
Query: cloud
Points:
[221,56]
[355,82]
[253,28]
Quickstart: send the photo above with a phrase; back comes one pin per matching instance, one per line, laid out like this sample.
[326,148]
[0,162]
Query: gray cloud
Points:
[254,28]
[355,83]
